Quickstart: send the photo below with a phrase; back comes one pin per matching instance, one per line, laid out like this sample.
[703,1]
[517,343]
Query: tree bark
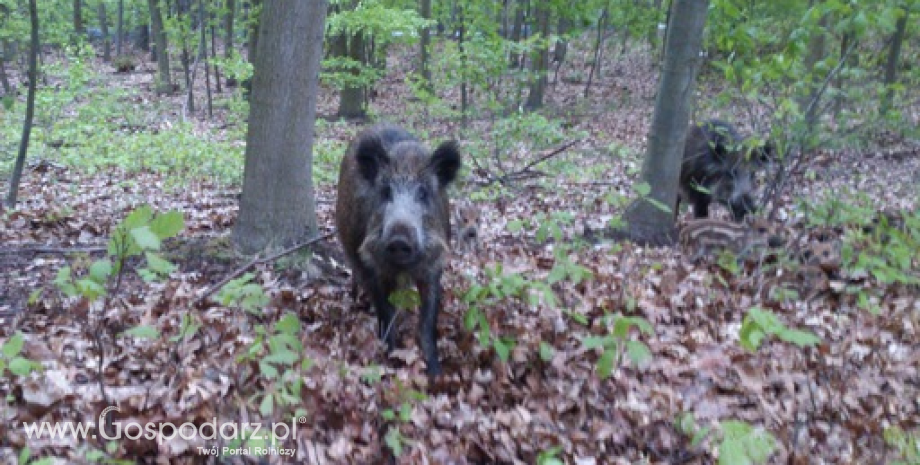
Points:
[647,222]
[254,30]
[425,44]
[16,176]
[277,206]
[104,27]
[120,28]
[78,28]
[891,65]
[540,61]
[163,83]
[351,99]
[230,6]
[203,54]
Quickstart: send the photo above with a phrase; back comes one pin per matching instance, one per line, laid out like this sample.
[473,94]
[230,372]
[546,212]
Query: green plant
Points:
[12,361]
[244,293]
[906,443]
[759,324]
[140,234]
[401,414]
[550,456]
[617,343]
[743,444]
[686,424]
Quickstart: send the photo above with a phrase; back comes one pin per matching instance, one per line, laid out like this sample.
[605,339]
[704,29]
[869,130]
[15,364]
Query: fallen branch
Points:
[51,249]
[546,156]
[258,261]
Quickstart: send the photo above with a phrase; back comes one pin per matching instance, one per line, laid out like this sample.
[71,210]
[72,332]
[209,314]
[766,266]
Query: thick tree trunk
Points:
[277,206]
[891,65]
[649,219]
[540,61]
[163,82]
[16,176]
[104,27]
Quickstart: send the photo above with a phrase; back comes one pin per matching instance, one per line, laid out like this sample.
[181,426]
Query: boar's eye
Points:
[421,194]
[386,193]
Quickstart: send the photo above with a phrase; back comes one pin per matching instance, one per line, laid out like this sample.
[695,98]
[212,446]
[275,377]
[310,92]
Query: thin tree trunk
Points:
[253,31]
[425,43]
[163,81]
[351,99]
[16,176]
[277,205]
[217,85]
[4,79]
[228,36]
[203,55]
[891,65]
[104,27]
[540,61]
[647,220]
[78,28]
[184,6]
[464,91]
[598,48]
[120,28]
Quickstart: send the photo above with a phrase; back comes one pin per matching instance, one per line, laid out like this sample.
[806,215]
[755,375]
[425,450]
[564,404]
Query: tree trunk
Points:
[104,27]
[184,7]
[598,48]
[891,65]
[216,70]
[647,222]
[425,44]
[163,83]
[810,102]
[120,28]
[254,30]
[351,99]
[78,28]
[16,176]
[277,207]
[540,61]
[203,54]
[230,6]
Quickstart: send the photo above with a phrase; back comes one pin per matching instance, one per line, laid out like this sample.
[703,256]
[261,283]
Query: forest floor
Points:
[552,395]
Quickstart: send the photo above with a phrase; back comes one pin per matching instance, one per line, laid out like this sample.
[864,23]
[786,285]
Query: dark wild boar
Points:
[718,165]
[393,219]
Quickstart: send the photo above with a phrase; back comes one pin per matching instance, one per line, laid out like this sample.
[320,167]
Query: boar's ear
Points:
[445,162]
[371,156]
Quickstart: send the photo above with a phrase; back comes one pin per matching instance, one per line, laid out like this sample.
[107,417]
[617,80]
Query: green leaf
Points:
[405,412]
[13,345]
[546,352]
[605,363]
[596,342]
[24,455]
[288,324]
[638,353]
[100,271]
[145,238]
[21,367]
[643,189]
[143,332]
[502,349]
[388,414]
[283,358]
[167,224]
[268,370]
[515,226]
[799,337]
[267,406]
[159,265]
[393,440]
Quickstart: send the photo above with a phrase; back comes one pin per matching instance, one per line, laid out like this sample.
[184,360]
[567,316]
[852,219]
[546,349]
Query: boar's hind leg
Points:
[429,289]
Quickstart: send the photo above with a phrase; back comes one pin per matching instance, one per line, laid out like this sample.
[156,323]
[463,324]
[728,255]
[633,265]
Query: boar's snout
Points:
[400,249]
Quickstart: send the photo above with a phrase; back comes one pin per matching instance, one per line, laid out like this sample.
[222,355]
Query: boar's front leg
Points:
[379,289]
[429,288]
